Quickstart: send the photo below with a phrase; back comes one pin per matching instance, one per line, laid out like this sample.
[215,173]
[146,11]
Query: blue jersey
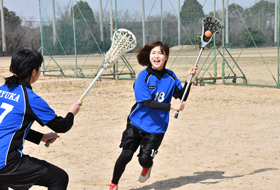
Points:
[19,108]
[150,86]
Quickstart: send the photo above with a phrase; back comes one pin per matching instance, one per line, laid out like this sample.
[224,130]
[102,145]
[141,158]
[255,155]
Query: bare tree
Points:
[32,36]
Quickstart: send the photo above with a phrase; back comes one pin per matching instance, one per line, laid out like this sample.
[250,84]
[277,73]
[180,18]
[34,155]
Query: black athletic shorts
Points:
[23,174]
[29,171]
[149,142]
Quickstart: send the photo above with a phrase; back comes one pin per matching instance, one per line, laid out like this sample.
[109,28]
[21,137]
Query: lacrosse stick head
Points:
[122,42]
[212,24]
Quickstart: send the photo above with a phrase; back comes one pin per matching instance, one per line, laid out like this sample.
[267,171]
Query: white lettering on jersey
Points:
[154,152]
[159,97]
[8,108]
[3,92]
[12,96]
[16,99]
[9,95]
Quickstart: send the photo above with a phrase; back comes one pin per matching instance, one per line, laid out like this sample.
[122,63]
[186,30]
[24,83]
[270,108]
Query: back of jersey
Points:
[12,110]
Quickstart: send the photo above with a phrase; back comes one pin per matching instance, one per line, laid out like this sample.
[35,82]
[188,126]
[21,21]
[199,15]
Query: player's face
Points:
[157,58]
[35,75]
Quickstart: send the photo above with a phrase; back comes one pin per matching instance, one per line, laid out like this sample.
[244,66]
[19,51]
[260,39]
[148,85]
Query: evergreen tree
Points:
[13,30]
[11,18]
[262,8]
[83,10]
[85,28]
[191,11]
[234,10]
[257,35]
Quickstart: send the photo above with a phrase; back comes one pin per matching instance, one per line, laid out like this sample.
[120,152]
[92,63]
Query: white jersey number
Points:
[7,108]
[159,97]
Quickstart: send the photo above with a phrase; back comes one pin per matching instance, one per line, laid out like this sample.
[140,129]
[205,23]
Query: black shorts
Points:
[29,171]
[24,173]
[149,142]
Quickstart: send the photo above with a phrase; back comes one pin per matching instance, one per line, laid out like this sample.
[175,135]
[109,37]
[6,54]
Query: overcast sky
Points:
[30,8]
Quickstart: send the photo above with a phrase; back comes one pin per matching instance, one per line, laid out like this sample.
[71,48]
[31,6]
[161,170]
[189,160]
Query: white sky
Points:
[30,8]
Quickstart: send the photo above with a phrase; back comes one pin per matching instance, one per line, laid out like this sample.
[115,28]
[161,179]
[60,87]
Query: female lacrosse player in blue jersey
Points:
[19,108]
[149,117]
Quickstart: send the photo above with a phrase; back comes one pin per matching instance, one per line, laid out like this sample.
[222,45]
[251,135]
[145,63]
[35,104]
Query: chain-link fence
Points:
[76,34]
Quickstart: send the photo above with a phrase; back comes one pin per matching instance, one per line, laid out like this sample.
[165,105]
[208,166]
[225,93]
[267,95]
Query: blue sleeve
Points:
[41,109]
[141,89]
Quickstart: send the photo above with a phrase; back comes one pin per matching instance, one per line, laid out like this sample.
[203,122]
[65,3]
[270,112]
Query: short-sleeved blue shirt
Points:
[149,86]
[19,108]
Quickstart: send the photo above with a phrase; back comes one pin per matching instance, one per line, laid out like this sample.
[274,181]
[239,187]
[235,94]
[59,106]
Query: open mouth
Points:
[156,62]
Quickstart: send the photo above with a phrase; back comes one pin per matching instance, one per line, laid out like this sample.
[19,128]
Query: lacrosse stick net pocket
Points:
[123,41]
[210,23]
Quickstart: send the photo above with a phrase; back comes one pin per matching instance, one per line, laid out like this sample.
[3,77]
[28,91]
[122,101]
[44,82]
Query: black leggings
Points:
[55,179]
[125,157]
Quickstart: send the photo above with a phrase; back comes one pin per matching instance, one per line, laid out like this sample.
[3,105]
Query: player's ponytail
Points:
[10,81]
[22,65]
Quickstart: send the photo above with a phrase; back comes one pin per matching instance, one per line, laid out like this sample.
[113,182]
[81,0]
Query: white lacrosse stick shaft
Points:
[92,83]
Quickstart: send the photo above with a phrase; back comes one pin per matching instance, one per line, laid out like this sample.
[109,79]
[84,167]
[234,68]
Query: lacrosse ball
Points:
[208,34]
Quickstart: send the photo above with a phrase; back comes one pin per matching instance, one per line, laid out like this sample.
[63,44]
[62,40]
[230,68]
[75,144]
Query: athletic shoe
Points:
[145,174]
[112,186]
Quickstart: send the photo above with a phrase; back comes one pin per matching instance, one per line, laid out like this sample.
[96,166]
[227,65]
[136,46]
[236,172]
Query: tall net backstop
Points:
[76,35]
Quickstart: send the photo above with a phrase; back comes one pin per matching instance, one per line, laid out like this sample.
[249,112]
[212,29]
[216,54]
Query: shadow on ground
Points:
[198,177]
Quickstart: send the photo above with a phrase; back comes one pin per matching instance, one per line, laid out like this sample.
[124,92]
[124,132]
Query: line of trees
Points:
[20,33]
[259,18]
[83,35]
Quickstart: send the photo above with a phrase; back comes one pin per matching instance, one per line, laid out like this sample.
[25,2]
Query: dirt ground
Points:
[226,138]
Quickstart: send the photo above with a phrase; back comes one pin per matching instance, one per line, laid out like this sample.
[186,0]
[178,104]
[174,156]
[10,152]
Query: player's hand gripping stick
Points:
[210,26]
[47,144]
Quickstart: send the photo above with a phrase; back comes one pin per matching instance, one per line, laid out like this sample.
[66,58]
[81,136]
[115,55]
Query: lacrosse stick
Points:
[210,26]
[123,41]
[49,142]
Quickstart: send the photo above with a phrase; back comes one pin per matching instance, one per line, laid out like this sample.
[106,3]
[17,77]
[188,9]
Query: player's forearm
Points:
[34,136]
[179,93]
[156,105]
[60,124]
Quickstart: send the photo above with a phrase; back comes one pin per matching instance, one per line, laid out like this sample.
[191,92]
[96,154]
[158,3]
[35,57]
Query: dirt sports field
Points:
[228,137]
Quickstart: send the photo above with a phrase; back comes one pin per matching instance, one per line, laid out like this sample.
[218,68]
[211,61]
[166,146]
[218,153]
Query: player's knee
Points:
[125,158]
[145,161]
[63,179]
[126,155]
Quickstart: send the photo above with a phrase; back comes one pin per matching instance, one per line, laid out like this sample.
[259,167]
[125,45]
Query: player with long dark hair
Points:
[149,117]
[19,108]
